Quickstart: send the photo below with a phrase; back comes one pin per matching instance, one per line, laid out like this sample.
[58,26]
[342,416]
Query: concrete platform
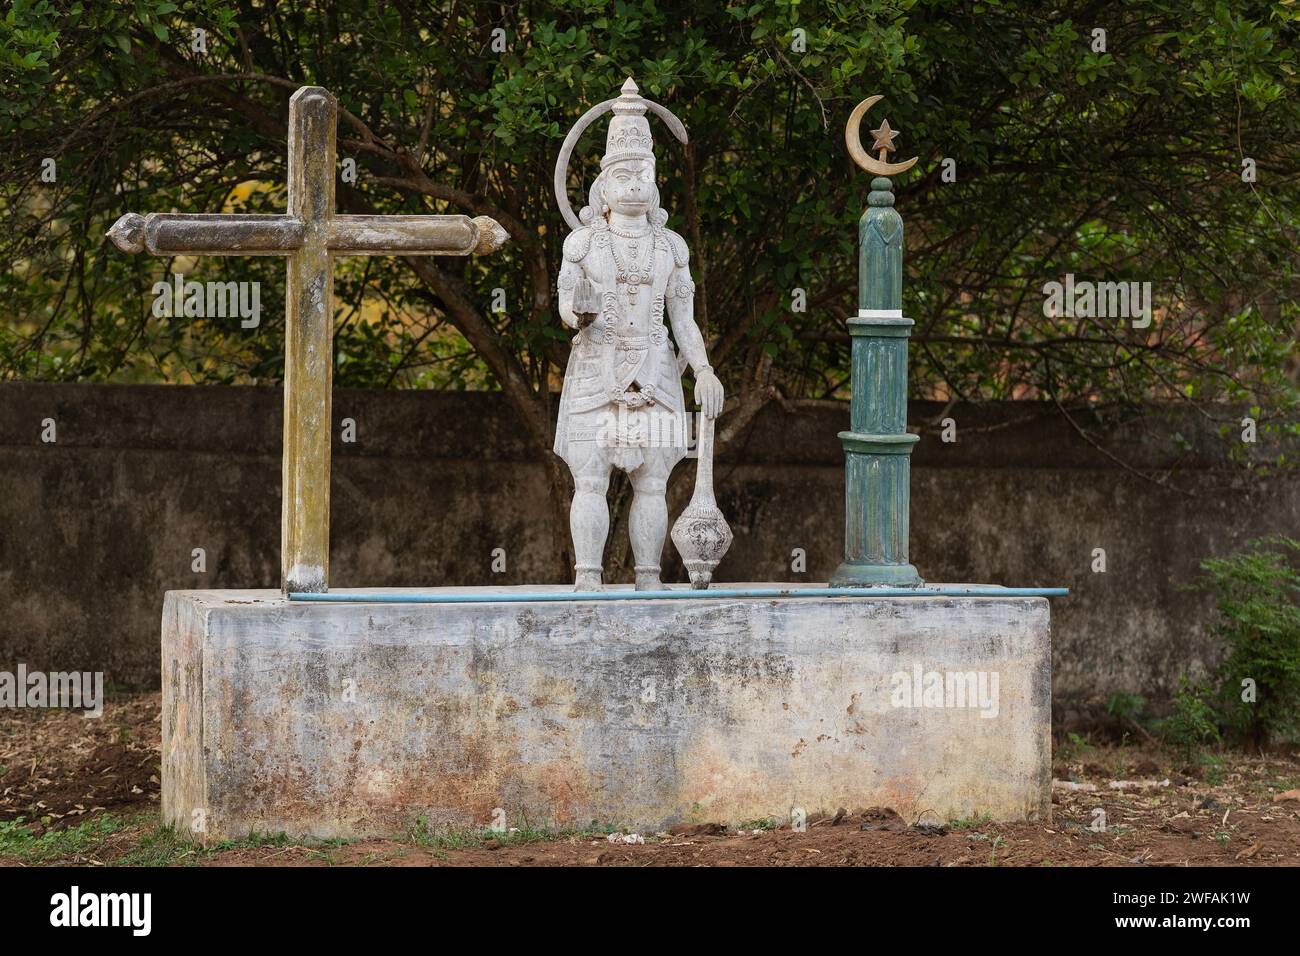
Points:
[346,720]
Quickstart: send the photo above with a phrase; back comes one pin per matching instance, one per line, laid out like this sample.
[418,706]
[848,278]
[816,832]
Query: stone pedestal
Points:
[345,720]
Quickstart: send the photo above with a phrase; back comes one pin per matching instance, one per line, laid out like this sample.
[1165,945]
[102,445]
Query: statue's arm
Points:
[681,306]
[681,313]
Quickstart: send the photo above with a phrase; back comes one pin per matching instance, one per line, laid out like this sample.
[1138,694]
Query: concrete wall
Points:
[95,527]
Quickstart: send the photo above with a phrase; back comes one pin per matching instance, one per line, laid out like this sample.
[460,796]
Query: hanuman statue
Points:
[622,404]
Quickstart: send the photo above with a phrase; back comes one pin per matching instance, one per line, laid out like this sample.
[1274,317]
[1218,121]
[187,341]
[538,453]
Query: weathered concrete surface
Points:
[336,720]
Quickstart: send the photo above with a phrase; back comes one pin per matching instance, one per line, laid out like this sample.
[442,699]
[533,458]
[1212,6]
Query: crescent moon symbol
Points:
[853,140]
[570,141]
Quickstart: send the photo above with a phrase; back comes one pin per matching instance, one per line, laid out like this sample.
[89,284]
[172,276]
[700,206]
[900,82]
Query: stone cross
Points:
[308,236]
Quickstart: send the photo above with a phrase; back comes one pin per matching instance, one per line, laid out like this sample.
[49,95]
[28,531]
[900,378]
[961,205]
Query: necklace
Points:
[630,272]
[628,235]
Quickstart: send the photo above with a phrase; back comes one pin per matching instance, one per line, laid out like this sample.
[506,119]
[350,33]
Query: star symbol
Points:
[884,137]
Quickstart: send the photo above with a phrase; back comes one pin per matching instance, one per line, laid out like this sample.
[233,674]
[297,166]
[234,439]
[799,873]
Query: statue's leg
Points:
[648,517]
[589,515]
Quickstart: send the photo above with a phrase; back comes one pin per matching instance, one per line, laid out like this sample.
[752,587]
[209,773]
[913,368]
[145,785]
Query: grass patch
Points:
[161,845]
[434,837]
[18,840]
[255,840]
[1214,769]
[152,844]
[1275,784]
[971,823]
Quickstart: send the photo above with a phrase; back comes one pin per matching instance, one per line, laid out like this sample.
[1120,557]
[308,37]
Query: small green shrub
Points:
[1124,707]
[1192,725]
[1074,747]
[1258,601]
[1126,710]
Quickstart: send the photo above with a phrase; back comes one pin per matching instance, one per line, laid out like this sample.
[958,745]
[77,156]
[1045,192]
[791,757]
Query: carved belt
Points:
[628,372]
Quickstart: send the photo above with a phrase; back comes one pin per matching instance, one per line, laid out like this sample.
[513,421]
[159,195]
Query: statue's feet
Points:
[587,581]
[647,579]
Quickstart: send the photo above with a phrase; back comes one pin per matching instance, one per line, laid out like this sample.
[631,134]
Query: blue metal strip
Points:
[687,594]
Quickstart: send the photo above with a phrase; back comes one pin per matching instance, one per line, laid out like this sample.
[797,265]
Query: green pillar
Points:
[878,448]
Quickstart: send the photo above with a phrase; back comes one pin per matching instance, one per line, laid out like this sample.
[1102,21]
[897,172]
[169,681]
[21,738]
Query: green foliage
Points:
[1126,711]
[1074,747]
[1116,166]
[1192,725]
[1255,696]
[159,845]
[20,840]
[426,834]
[1258,601]
[255,839]
[1215,768]
[1124,706]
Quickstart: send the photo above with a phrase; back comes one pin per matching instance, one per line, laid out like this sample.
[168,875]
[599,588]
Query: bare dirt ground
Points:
[58,768]
[78,791]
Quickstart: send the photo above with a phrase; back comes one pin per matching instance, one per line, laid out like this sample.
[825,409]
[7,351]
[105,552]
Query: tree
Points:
[1115,157]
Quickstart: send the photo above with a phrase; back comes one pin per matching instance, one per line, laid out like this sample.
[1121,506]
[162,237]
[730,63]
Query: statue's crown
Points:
[629,130]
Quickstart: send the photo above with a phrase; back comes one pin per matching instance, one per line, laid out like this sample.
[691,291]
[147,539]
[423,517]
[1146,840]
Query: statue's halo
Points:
[570,141]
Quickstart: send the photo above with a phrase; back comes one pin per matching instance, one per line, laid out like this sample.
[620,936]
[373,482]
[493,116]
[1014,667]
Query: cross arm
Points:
[415,235]
[269,235]
[212,234]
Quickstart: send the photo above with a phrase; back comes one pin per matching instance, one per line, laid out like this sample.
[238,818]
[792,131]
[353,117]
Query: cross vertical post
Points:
[308,346]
